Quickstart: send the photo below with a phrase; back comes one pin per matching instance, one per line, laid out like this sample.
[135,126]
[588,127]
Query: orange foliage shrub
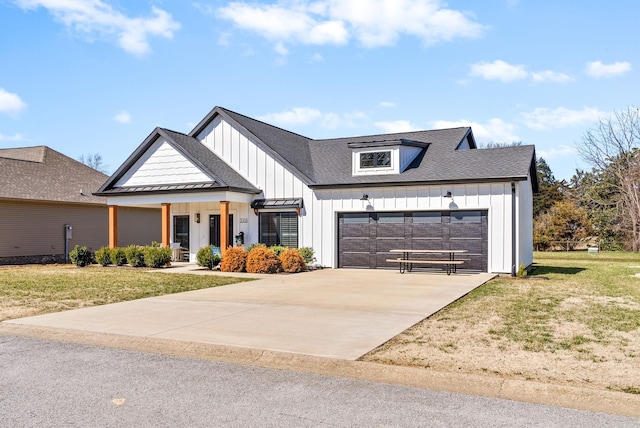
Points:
[234,260]
[262,260]
[292,261]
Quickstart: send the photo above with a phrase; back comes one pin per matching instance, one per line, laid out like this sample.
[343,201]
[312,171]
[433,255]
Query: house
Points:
[237,179]
[47,207]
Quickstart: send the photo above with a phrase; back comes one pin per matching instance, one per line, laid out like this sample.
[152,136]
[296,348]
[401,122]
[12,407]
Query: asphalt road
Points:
[51,384]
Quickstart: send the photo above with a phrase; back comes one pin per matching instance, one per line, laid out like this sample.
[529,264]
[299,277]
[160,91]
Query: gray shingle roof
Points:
[328,162]
[42,174]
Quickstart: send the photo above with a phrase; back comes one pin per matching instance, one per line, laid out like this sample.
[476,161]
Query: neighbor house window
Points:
[181,230]
[375,160]
[279,229]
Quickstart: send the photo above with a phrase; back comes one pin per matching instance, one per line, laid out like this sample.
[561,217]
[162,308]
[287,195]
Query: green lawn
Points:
[38,289]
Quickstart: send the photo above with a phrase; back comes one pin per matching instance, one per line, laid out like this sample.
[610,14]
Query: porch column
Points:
[224,226]
[166,224]
[113,226]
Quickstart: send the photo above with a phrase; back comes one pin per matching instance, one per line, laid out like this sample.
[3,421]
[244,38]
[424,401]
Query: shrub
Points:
[205,257]
[522,271]
[118,257]
[307,255]
[81,256]
[252,246]
[263,260]
[234,260]
[103,256]
[278,249]
[292,261]
[135,255]
[156,257]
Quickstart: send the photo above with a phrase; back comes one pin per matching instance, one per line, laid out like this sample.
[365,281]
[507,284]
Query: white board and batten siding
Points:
[494,197]
[162,164]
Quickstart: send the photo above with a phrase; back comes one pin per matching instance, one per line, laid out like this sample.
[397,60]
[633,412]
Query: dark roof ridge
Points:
[394,135]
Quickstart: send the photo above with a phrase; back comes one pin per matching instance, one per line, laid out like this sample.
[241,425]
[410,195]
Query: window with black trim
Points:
[375,160]
[181,230]
[279,229]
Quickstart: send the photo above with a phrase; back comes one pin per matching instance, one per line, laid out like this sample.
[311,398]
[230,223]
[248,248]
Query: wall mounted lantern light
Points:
[448,195]
[197,217]
[364,197]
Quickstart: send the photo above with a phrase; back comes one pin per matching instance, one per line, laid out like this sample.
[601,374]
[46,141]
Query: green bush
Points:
[118,256]
[81,256]
[135,255]
[522,271]
[156,257]
[263,260]
[205,258]
[103,256]
[307,255]
[252,246]
[278,249]
[292,261]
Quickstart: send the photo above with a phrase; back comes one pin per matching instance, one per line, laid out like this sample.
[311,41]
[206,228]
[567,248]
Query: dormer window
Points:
[375,160]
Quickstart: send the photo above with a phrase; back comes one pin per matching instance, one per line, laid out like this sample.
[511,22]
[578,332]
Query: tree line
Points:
[601,206]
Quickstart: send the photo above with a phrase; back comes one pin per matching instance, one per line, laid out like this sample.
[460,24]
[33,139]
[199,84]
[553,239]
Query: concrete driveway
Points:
[336,313]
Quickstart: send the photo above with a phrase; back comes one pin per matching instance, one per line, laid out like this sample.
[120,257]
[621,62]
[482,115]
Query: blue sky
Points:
[97,76]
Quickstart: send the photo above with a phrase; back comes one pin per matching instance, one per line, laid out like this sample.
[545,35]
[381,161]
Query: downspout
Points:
[513,228]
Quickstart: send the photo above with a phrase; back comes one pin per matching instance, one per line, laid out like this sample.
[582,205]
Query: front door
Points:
[214,230]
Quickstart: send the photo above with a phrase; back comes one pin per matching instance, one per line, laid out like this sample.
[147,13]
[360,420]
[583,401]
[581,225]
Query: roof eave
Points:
[419,182]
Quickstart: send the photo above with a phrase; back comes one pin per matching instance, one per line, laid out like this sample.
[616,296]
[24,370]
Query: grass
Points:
[39,289]
[575,310]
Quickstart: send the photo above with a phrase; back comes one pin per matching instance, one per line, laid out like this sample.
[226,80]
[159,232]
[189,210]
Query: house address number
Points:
[244,220]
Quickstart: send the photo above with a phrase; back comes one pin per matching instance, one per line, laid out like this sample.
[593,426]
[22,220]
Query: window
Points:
[375,160]
[279,229]
[181,230]
[427,217]
[358,218]
[391,218]
[466,217]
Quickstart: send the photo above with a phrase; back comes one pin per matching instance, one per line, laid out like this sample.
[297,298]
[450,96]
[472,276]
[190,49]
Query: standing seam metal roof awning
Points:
[260,204]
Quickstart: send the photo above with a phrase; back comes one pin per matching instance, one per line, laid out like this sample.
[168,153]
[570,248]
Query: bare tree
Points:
[613,145]
[94,160]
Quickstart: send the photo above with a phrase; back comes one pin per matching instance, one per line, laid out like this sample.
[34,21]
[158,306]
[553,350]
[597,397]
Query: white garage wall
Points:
[494,197]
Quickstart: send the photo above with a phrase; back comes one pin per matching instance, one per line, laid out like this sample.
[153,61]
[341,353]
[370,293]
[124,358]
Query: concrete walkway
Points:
[335,313]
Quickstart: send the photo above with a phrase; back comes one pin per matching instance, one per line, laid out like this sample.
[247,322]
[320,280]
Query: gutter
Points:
[513,228]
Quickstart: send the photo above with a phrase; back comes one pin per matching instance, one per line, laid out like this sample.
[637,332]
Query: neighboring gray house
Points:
[41,191]
[350,199]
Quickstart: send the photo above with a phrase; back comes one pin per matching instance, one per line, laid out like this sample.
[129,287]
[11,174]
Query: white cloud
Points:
[390,127]
[551,76]
[387,104]
[316,57]
[505,72]
[372,22]
[10,103]
[561,117]
[301,116]
[597,69]
[93,17]
[122,117]
[494,131]
[14,137]
[554,153]
[499,70]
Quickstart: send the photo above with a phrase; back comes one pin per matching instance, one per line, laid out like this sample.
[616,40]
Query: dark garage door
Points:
[364,239]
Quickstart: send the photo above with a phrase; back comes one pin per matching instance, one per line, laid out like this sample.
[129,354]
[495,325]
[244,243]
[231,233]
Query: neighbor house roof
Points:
[42,174]
[328,162]
[222,176]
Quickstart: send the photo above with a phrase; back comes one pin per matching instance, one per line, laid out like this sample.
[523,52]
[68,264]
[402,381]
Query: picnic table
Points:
[406,262]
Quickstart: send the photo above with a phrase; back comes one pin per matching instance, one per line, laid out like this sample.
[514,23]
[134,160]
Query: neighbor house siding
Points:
[37,229]
[34,229]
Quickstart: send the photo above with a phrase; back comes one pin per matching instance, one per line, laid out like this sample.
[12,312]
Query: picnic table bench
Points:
[406,263]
